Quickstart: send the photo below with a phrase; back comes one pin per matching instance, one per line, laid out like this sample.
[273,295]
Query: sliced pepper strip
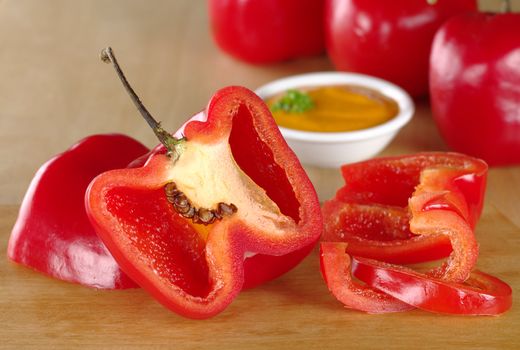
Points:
[480,294]
[52,233]
[456,183]
[236,156]
[335,268]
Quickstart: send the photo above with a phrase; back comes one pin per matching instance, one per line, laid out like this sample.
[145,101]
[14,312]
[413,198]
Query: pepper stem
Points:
[172,144]
[506,6]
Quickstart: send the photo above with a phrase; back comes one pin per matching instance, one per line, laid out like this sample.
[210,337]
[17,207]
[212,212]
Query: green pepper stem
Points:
[172,144]
[506,6]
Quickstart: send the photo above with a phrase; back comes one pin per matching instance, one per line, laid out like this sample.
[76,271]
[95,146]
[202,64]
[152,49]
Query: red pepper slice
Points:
[335,268]
[480,294]
[237,156]
[370,212]
[52,233]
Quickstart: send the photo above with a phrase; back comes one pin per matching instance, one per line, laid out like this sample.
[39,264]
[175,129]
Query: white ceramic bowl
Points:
[333,149]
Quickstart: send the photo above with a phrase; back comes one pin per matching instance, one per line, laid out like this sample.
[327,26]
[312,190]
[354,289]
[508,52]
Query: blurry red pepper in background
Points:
[52,233]
[387,39]
[264,31]
[475,85]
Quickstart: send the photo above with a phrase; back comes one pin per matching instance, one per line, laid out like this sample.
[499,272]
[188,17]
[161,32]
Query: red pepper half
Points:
[393,209]
[335,269]
[182,225]
[52,233]
[480,294]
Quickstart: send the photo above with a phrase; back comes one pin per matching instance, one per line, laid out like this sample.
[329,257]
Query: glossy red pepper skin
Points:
[265,31]
[193,270]
[474,79]
[372,212]
[387,39]
[335,266]
[480,294]
[52,233]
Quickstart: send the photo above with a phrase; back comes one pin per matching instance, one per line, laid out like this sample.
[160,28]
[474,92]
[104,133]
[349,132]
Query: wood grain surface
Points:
[54,91]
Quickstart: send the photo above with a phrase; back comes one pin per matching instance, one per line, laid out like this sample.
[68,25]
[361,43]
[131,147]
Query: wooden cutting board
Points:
[294,312]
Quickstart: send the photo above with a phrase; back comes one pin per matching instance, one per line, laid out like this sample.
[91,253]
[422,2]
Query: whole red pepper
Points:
[182,225]
[388,39]
[52,233]
[474,85]
[263,31]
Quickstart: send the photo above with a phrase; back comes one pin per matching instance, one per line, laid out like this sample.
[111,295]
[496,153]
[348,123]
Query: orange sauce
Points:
[338,108]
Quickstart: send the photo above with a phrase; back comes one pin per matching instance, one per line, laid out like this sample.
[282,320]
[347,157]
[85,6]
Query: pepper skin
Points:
[474,85]
[387,39]
[335,266]
[236,156]
[52,233]
[480,294]
[266,31]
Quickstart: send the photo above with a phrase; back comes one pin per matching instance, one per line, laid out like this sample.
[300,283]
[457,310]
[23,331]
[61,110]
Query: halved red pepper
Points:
[372,211]
[154,219]
[52,233]
[480,294]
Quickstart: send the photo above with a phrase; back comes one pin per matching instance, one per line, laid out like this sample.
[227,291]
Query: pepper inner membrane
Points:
[374,223]
[256,159]
[165,240]
[377,192]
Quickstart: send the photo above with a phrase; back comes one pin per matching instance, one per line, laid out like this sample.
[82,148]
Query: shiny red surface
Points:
[335,265]
[372,211]
[480,294]
[387,39]
[475,85]
[52,233]
[263,31]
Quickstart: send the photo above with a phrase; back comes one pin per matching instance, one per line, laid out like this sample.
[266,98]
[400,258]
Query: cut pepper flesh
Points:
[384,191]
[198,271]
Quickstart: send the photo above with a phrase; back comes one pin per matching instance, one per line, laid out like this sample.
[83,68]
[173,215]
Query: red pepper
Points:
[335,269]
[373,210]
[474,80]
[388,39]
[182,225]
[480,294]
[263,31]
[52,233]
[446,200]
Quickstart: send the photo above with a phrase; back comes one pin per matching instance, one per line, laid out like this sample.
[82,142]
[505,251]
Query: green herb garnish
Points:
[293,101]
